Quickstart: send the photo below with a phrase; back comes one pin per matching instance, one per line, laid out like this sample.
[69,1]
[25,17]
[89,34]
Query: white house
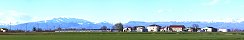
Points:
[209,29]
[206,29]
[153,28]
[223,30]
[140,28]
[127,29]
[3,30]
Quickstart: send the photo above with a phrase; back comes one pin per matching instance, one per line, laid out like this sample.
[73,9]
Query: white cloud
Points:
[227,20]
[13,17]
[210,20]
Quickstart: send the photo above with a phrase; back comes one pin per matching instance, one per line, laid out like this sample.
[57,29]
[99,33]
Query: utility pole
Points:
[10,26]
[26,27]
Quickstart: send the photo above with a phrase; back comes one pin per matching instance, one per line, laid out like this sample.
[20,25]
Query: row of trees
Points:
[118,26]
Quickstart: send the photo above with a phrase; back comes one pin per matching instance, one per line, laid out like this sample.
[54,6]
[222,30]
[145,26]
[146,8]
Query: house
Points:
[223,30]
[140,29]
[177,28]
[3,29]
[209,29]
[153,28]
[129,29]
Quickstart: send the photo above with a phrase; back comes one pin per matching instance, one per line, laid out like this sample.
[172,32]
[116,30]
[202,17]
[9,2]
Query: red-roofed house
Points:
[177,28]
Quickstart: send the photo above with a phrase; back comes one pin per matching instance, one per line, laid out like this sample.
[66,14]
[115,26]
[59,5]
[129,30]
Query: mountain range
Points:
[81,23]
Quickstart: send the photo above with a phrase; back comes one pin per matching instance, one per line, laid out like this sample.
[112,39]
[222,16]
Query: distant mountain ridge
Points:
[62,23]
[81,23]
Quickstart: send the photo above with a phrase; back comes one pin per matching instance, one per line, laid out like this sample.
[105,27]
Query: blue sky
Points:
[113,11]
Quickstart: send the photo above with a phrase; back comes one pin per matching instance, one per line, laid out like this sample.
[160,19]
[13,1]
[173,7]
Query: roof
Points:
[139,26]
[177,26]
[4,28]
[153,25]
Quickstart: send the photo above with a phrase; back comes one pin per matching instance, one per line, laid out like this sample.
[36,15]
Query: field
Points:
[121,36]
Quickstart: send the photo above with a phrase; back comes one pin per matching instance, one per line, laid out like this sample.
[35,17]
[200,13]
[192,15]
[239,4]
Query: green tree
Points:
[119,27]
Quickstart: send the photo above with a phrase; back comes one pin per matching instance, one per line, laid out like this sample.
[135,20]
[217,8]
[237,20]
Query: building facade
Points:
[129,29]
[223,30]
[177,28]
[140,29]
[153,28]
[209,29]
[3,29]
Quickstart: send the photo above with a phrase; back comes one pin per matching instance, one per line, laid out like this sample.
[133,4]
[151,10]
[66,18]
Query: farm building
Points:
[209,29]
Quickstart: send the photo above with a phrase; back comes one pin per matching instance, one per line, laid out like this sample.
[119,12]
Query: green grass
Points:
[121,36]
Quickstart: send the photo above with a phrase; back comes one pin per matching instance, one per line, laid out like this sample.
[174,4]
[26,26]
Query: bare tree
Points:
[195,27]
[103,28]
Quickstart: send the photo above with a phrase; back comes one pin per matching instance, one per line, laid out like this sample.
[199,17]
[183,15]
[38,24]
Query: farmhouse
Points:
[153,28]
[177,28]
[209,29]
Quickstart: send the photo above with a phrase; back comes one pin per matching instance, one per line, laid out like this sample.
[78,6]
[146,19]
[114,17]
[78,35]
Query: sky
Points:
[114,11]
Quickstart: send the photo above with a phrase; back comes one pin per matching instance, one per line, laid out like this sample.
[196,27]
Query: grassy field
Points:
[121,36]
